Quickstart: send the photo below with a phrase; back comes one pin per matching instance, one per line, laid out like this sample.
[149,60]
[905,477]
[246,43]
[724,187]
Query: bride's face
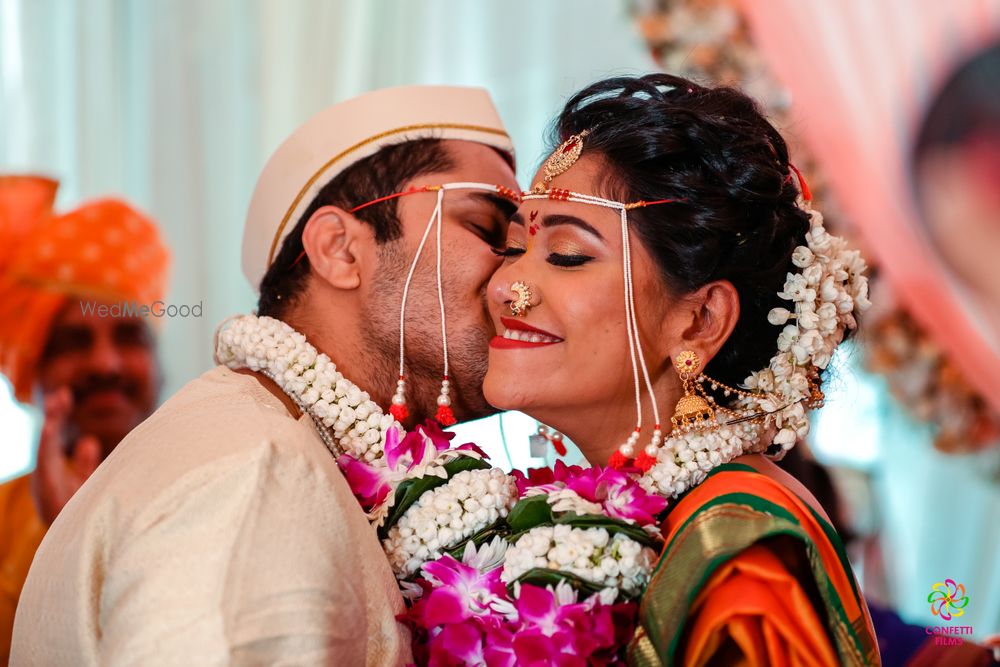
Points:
[570,257]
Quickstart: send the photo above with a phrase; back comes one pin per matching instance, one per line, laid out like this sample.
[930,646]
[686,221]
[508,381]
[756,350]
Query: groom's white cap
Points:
[341,135]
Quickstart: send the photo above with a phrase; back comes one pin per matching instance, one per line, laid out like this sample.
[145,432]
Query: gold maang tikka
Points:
[560,161]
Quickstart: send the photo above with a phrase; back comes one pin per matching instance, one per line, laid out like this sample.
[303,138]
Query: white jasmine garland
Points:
[271,347]
[824,298]
[592,554]
[445,516]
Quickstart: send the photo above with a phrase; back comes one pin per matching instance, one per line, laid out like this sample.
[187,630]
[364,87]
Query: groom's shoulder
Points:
[221,415]
[220,429]
[220,401]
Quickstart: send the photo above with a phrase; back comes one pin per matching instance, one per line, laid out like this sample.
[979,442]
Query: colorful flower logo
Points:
[948,599]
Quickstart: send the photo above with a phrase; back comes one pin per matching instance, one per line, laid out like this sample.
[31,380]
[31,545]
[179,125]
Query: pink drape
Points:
[860,73]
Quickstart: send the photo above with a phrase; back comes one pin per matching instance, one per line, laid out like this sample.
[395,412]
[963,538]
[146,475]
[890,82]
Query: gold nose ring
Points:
[519,306]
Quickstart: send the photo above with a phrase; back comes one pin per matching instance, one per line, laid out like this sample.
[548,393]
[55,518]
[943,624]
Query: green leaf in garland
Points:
[530,512]
[410,491]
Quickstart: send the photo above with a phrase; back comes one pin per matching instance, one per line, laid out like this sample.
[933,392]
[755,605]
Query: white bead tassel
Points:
[627,450]
[654,444]
[399,409]
[444,415]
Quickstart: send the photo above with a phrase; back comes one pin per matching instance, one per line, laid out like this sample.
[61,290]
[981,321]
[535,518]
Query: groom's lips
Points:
[518,335]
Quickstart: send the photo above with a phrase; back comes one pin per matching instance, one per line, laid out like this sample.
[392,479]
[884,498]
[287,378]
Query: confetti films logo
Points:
[948,601]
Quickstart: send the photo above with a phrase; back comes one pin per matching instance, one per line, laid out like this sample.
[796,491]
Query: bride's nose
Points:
[499,290]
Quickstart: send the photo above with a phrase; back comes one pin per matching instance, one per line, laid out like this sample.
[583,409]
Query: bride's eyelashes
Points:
[554,258]
[567,261]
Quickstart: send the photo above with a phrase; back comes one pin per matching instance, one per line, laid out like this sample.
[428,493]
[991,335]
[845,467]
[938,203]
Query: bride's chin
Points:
[505,396]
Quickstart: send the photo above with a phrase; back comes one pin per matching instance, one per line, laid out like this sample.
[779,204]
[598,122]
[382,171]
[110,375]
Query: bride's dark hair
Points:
[664,137]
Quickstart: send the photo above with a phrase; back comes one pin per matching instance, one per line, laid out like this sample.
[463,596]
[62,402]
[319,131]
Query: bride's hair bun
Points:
[664,137]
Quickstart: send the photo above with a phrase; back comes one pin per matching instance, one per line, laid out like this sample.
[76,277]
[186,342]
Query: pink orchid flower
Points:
[557,633]
[459,592]
[423,444]
[372,484]
[459,644]
[619,495]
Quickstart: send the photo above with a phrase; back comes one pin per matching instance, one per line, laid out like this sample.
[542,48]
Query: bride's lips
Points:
[518,335]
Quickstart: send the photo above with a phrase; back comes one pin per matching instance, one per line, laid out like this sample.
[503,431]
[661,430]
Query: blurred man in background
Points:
[93,370]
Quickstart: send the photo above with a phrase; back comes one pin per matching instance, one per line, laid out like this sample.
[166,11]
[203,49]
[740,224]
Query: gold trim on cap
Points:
[361,144]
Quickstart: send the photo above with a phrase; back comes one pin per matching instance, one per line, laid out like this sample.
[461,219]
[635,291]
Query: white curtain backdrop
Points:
[176,104]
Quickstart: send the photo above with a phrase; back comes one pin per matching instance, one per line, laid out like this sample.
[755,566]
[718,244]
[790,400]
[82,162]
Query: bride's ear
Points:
[711,313]
[332,239]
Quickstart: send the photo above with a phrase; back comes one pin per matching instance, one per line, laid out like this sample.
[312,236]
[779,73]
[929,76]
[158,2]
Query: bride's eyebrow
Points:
[559,219]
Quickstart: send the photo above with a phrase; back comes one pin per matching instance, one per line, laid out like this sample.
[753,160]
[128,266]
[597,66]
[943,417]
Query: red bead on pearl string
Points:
[444,415]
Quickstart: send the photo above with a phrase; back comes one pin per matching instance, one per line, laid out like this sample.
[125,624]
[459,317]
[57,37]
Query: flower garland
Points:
[512,569]
[309,377]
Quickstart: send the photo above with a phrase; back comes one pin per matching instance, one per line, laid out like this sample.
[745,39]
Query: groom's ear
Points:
[710,315]
[333,241]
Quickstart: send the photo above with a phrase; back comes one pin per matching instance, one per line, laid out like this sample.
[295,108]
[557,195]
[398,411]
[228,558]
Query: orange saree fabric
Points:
[751,575]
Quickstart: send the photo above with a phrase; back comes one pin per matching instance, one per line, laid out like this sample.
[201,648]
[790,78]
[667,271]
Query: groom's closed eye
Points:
[487,217]
[492,232]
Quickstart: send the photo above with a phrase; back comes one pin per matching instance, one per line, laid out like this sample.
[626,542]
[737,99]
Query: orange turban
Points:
[104,250]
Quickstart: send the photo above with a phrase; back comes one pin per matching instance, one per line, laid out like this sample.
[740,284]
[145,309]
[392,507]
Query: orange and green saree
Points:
[751,575]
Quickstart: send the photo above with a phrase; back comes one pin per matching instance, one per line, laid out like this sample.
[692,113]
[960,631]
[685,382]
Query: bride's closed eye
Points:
[554,258]
[567,261]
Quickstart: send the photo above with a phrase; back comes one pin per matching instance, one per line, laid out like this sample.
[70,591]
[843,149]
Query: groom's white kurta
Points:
[220,532]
